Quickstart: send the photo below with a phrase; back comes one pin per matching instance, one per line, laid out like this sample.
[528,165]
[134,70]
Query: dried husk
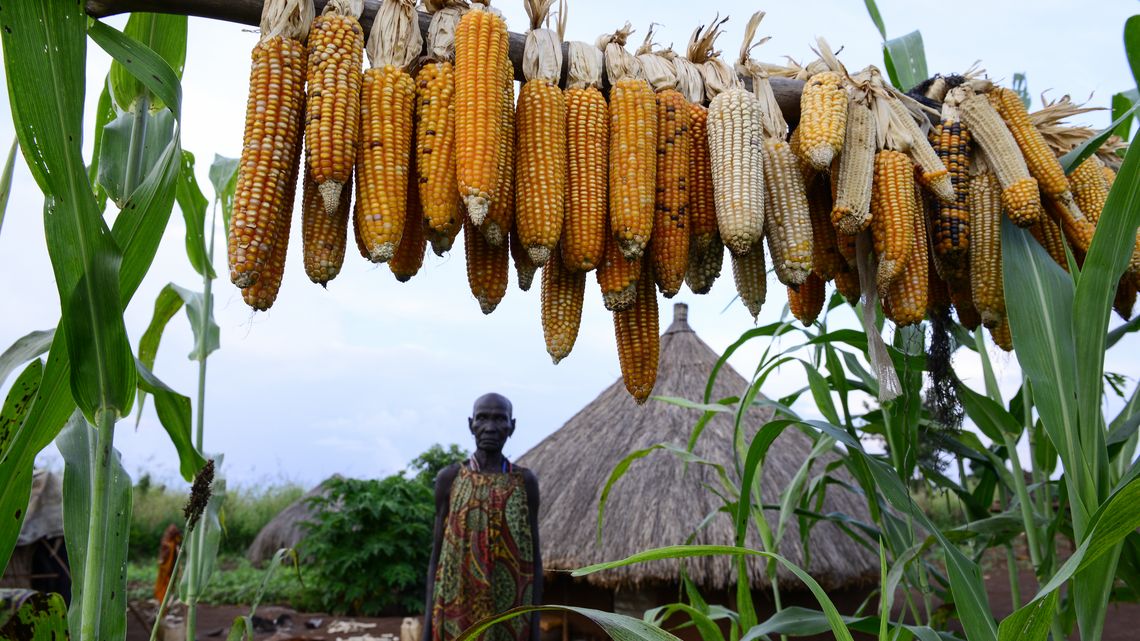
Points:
[620,64]
[717,74]
[395,37]
[771,118]
[441,33]
[542,53]
[656,68]
[689,81]
[585,68]
[344,8]
[287,18]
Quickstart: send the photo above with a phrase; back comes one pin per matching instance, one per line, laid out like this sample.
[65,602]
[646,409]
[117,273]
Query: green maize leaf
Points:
[19,399]
[115,168]
[165,34]
[104,113]
[907,59]
[618,626]
[6,179]
[876,17]
[1132,45]
[27,615]
[1074,158]
[76,443]
[223,176]
[171,299]
[193,205]
[1120,332]
[1121,105]
[174,414]
[706,626]
[821,393]
[990,417]
[835,620]
[23,350]
[796,621]
[1030,623]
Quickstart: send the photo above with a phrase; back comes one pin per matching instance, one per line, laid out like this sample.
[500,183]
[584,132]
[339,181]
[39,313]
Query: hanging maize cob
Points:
[704,265]
[985,251]
[386,111]
[638,339]
[435,126]
[1049,236]
[500,218]
[487,268]
[938,292]
[273,130]
[807,303]
[324,237]
[1090,187]
[540,192]
[563,291]
[1020,196]
[851,212]
[409,256]
[357,224]
[826,259]
[587,167]
[951,221]
[1125,299]
[892,215]
[633,145]
[336,51]
[846,246]
[847,284]
[524,268]
[481,72]
[1001,335]
[906,299]
[823,111]
[962,297]
[617,277]
[669,246]
[751,277]
[1109,175]
[736,152]
[702,203]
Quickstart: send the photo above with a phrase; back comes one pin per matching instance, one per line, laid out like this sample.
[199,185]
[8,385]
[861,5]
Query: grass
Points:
[235,582]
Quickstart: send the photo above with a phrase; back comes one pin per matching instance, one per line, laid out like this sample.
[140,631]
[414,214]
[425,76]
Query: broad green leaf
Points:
[76,443]
[6,179]
[174,414]
[753,462]
[23,350]
[193,205]
[1029,623]
[171,299]
[20,397]
[796,621]
[992,419]
[1120,332]
[705,624]
[117,167]
[165,34]
[876,17]
[1074,158]
[1122,104]
[37,616]
[619,627]
[104,113]
[835,621]
[908,57]
[772,330]
[223,176]
[1132,45]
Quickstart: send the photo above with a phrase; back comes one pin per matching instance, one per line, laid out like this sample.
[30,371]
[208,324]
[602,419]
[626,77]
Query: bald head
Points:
[493,399]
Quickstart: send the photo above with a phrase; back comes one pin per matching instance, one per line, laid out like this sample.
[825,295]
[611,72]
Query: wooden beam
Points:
[248,12]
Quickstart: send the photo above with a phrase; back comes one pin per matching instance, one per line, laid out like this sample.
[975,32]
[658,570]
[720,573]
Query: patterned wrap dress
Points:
[486,559]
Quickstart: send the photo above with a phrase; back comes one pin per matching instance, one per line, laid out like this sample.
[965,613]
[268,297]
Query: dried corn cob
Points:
[932,173]
[409,256]
[357,223]
[823,113]
[1125,299]
[524,269]
[704,265]
[905,301]
[1049,235]
[1002,336]
[435,128]
[638,341]
[751,277]
[540,191]
[846,246]
[789,223]
[633,145]
[807,303]
[1020,196]
[273,130]
[847,284]
[892,215]
[336,51]
[324,237]
[486,268]
[480,75]
[1109,176]
[961,296]
[386,114]
[737,168]
[985,251]
[826,259]
[500,218]
[951,221]
[587,148]
[1043,165]
[702,202]
[938,296]
[617,277]
[562,293]
[1078,229]
[851,212]
[1090,187]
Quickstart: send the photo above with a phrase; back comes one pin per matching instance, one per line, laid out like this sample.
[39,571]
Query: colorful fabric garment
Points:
[486,559]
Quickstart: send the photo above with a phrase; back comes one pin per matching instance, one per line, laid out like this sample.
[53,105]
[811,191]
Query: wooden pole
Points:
[248,12]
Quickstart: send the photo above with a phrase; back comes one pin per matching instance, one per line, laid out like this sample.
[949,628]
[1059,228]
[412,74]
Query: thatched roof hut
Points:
[658,502]
[289,527]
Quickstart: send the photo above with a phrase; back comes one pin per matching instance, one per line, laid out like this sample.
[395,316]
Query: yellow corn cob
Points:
[636,329]
[1049,235]
[906,299]
[633,164]
[587,145]
[1043,165]
[524,268]
[961,297]
[1090,187]
[562,293]
[823,119]
[480,75]
[932,172]
[1020,196]
[273,128]
[324,237]
[435,147]
[670,243]
[1109,175]
[951,221]
[751,277]
[487,268]
[336,51]
[409,256]
[985,250]
[1078,229]
[807,303]
[357,224]
[617,277]
[938,296]
[851,212]
[500,218]
[736,153]
[385,153]
[892,215]
[1125,298]
[847,284]
[826,259]
[540,196]
[1002,336]
[702,202]
[845,245]
[789,219]
[704,264]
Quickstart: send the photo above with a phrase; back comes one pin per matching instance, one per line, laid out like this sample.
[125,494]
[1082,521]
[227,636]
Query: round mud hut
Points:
[661,501]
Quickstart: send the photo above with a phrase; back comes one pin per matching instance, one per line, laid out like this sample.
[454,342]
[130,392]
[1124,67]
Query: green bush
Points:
[235,582]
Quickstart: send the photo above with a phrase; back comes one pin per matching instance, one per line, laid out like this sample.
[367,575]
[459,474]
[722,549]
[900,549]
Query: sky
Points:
[360,378]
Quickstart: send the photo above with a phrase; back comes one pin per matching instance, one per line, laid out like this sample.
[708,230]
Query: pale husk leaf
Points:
[585,68]
[542,53]
[771,118]
[287,18]
[441,32]
[620,64]
[658,71]
[395,37]
[689,81]
[344,8]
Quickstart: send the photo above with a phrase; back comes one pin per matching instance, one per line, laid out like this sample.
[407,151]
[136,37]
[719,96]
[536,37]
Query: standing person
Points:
[485,555]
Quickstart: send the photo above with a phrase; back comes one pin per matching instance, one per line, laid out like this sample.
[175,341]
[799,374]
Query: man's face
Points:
[491,424]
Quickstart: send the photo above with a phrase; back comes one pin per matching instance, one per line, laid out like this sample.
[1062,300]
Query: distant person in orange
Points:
[167,554]
[485,556]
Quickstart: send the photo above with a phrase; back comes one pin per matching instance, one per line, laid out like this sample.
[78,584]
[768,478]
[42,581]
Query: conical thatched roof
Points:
[657,502]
